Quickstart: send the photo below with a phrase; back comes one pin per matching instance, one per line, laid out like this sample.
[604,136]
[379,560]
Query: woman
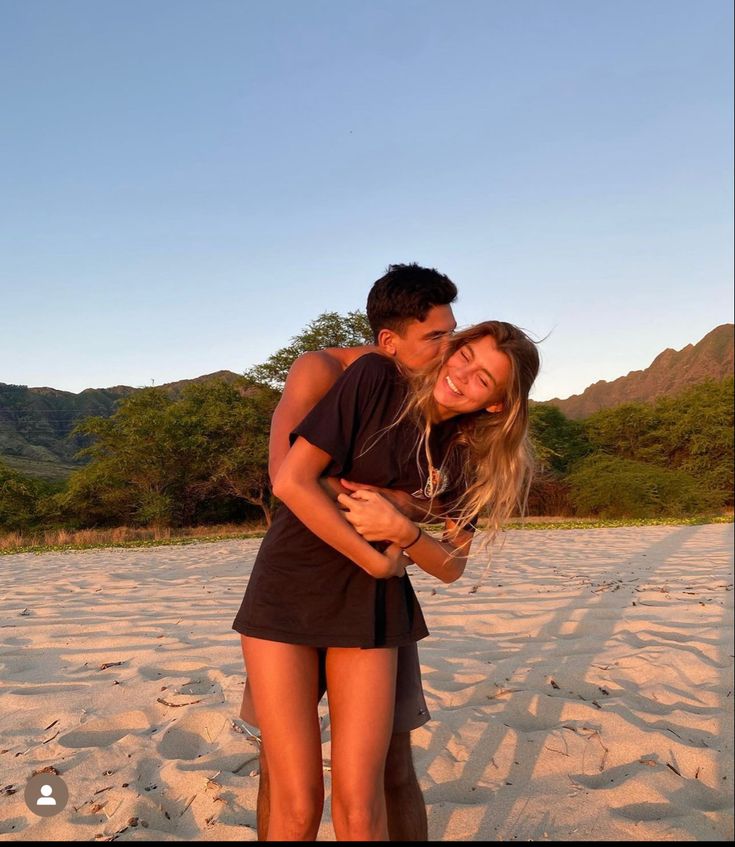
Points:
[319,588]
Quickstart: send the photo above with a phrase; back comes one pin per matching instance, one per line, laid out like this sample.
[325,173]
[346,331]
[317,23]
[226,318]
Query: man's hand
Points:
[414,508]
[375,518]
[397,561]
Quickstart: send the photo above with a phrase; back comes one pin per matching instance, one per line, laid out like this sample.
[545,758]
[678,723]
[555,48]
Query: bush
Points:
[558,441]
[611,487]
[690,432]
[17,501]
[24,502]
[549,495]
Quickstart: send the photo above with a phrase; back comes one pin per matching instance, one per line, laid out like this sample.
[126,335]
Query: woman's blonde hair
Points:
[490,451]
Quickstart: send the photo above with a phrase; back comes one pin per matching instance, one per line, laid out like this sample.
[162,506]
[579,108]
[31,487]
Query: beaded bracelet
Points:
[414,541]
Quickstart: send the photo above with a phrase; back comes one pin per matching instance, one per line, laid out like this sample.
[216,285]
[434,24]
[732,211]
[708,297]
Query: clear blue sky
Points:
[184,185]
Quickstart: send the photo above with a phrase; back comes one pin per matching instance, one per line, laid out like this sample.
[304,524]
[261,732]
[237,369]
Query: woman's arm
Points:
[377,520]
[445,559]
[297,485]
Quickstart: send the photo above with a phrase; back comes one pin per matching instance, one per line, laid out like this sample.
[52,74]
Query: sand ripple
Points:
[581,689]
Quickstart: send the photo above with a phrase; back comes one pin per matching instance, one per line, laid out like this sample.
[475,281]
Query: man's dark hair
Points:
[406,293]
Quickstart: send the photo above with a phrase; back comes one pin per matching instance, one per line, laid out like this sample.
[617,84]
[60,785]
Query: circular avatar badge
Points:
[46,794]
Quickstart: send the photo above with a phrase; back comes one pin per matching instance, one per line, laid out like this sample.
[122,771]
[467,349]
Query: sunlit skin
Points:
[309,379]
[421,341]
[314,373]
[475,377]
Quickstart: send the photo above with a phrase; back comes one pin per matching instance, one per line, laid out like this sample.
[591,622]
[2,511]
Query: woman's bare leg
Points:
[361,692]
[284,680]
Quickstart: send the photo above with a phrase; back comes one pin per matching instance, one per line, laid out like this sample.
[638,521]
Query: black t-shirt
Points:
[303,591]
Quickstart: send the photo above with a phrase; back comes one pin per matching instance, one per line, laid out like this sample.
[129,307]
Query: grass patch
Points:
[602,523]
[56,540]
[550,522]
[60,540]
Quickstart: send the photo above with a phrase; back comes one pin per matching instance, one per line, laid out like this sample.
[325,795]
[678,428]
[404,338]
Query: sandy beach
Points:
[580,689]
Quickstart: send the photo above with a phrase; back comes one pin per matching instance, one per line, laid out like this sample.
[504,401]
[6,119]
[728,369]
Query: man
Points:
[410,314]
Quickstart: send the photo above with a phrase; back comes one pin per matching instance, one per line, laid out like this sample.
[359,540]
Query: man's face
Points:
[421,341]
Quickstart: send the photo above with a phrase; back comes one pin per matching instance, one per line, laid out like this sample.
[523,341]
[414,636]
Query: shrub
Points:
[612,487]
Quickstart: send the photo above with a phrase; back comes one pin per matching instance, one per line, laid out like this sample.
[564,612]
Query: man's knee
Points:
[399,768]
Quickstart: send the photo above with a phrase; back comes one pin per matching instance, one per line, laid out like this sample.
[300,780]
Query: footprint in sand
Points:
[691,795]
[177,667]
[49,688]
[650,811]
[199,686]
[13,825]
[610,778]
[193,736]
[105,731]
[15,665]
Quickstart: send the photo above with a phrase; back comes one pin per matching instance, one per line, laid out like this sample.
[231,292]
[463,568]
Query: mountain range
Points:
[36,423]
[669,373]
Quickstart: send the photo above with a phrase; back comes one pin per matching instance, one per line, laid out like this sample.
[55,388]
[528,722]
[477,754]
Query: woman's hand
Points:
[375,518]
[414,508]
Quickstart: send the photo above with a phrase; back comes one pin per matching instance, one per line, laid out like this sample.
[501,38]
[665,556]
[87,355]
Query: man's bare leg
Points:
[403,798]
[263,810]
[263,805]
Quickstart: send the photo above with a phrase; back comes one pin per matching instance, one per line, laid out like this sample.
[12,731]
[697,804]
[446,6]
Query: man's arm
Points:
[377,520]
[308,380]
[416,508]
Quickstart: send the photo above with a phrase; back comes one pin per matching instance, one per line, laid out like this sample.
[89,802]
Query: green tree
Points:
[98,495]
[558,441]
[612,487]
[18,500]
[691,432]
[627,431]
[159,460]
[134,468]
[227,426]
[698,434]
[330,329]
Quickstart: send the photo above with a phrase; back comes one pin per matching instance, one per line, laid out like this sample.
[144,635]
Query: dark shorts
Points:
[411,710]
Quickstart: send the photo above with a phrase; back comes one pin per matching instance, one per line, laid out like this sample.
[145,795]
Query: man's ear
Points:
[496,407]
[386,342]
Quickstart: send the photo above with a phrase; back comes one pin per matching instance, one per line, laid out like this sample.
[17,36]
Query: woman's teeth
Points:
[452,387]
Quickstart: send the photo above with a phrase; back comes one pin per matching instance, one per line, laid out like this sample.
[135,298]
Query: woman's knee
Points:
[301,810]
[356,813]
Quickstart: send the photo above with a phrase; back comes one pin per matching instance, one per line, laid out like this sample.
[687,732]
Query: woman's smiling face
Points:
[474,377]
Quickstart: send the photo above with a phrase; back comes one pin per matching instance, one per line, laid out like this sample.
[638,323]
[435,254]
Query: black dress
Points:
[301,590]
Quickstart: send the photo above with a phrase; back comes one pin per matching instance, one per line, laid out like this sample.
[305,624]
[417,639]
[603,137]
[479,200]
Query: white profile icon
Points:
[47,799]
